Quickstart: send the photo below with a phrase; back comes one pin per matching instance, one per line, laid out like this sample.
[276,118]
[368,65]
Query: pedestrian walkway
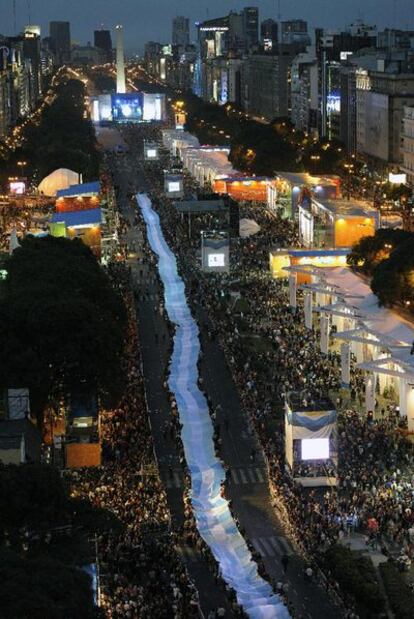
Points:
[272,546]
[248,475]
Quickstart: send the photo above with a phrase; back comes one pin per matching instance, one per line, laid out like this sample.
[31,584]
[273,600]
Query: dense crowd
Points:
[375,493]
[142,574]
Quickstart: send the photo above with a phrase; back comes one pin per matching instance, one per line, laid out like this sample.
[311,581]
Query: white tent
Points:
[248,227]
[59,179]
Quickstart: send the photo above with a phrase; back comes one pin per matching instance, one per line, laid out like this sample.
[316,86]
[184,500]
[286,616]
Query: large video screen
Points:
[174,186]
[154,106]
[216,260]
[315,448]
[152,153]
[127,107]
[17,188]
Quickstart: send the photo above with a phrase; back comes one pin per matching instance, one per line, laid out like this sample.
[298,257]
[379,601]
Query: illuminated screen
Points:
[154,104]
[17,187]
[398,179]
[151,153]
[216,260]
[127,107]
[315,448]
[174,186]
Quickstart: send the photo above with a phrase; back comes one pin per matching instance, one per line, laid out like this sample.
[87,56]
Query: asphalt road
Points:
[248,484]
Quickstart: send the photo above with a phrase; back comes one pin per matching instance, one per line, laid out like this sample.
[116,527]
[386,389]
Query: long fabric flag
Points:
[213,517]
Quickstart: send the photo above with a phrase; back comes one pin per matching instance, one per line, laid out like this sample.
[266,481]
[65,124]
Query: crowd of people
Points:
[141,572]
[374,493]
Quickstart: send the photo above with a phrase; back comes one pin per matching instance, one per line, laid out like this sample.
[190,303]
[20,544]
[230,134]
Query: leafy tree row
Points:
[62,325]
[62,138]
[257,147]
[388,258]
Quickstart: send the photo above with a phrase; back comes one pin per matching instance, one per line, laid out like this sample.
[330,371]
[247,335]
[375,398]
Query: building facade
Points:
[408,143]
[102,40]
[59,32]
[381,98]
[265,85]
[181,31]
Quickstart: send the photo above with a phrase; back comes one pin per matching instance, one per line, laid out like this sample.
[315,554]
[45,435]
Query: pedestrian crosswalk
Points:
[248,475]
[267,547]
[275,546]
[173,480]
[188,552]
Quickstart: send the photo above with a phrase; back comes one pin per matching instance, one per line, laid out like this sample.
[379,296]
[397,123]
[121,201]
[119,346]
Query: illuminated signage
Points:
[216,260]
[214,29]
[333,103]
[174,186]
[17,188]
[397,179]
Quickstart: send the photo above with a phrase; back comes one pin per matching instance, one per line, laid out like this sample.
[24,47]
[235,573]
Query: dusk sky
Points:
[146,20]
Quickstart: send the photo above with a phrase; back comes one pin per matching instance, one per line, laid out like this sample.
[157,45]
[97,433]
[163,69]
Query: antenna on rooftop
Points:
[14,17]
[279,12]
[29,11]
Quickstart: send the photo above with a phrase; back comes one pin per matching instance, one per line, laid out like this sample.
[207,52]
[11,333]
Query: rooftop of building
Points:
[349,208]
[78,218]
[83,189]
[11,432]
[304,178]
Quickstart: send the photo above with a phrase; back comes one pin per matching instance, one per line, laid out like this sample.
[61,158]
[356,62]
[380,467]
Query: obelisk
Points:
[120,63]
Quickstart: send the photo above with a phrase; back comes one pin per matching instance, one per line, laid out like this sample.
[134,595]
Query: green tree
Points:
[393,279]
[371,250]
[61,323]
[43,589]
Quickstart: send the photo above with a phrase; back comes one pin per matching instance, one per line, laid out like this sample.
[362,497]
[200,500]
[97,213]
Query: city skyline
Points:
[142,24]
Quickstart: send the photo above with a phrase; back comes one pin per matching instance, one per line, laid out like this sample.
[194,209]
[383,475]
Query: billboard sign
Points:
[397,179]
[17,187]
[376,125]
[154,106]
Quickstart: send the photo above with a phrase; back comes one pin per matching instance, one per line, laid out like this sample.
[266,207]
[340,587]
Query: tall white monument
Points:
[120,64]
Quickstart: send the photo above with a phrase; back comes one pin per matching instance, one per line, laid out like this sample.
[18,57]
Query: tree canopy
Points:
[62,138]
[388,257]
[371,250]
[61,323]
[43,588]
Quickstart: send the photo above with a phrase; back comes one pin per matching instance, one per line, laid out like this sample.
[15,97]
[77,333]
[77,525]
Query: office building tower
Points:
[268,34]
[250,16]
[59,32]
[103,41]
[181,31]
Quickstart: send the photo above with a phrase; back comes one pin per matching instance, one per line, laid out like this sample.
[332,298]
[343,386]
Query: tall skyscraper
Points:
[268,33]
[120,63]
[31,48]
[181,31]
[250,26]
[59,32]
[102,40]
